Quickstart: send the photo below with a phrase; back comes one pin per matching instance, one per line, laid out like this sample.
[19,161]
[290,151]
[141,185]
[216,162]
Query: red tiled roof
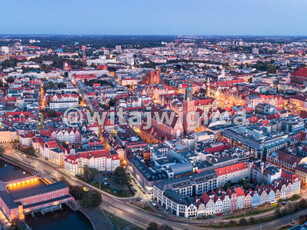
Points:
[230,168]
[52,144]
[239,191]
[301,72]
[289,175]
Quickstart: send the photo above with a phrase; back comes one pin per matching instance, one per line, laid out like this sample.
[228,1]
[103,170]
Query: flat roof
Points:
[19,194]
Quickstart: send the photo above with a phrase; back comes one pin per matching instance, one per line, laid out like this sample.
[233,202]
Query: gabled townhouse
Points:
[271,195]
[226,202]
[208,204]
[255,198]
[218,204]
[69,135]
[263,196]
[247,200]
[240,197]
[283,191]
[294,180]
[233,199]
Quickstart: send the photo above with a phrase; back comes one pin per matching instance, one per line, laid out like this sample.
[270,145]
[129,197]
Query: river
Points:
[61,219]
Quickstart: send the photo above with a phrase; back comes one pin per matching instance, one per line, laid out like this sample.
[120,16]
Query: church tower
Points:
[188,106]
[208,87]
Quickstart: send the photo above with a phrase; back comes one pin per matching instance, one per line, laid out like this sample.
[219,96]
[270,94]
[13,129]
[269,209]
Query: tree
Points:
[49,85]
[227,185]
[302,204]
[243,221]
[1,150]
[93,172]
[252,220]
[232,223]
[91,199]
[120,175]
[86,174]
[152,226]
[52,113]
[77,192]
[165,227]
[302,219]
[245,184]
[61,85]
[64,144]
[10,79]
[278,212]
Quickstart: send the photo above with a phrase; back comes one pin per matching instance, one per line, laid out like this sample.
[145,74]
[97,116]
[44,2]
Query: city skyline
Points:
[153,114]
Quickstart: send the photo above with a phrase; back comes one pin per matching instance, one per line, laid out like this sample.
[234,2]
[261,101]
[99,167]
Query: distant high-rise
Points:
[84,55]
[118,48]
[84,59]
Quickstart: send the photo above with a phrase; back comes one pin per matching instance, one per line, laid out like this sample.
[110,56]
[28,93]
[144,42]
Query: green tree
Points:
[252,220]
[2,150]
[302,219]
[245,184]
[77,192]
[120,175]
[10,79]
[232,223]
[302,204]
[243,221]
[86,174]
[91,199]
[227,185]
[278,212]
[61,85]
[52,113]
[165,227]
[49,85]
[93,172]
[152,226]
[64,144]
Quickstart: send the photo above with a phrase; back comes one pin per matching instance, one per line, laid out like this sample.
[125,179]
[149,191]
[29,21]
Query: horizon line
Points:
[143,35]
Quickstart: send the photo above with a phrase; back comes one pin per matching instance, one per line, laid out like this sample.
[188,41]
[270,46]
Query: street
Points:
[120,206]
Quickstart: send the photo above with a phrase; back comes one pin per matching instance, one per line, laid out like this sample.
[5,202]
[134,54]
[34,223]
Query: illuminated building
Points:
[188,106]
[22,193]
[152,77]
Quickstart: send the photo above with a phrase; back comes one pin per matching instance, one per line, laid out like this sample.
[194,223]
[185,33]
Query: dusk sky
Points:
[154,17]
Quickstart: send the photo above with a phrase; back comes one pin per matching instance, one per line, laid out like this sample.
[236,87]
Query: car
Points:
[154,204]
